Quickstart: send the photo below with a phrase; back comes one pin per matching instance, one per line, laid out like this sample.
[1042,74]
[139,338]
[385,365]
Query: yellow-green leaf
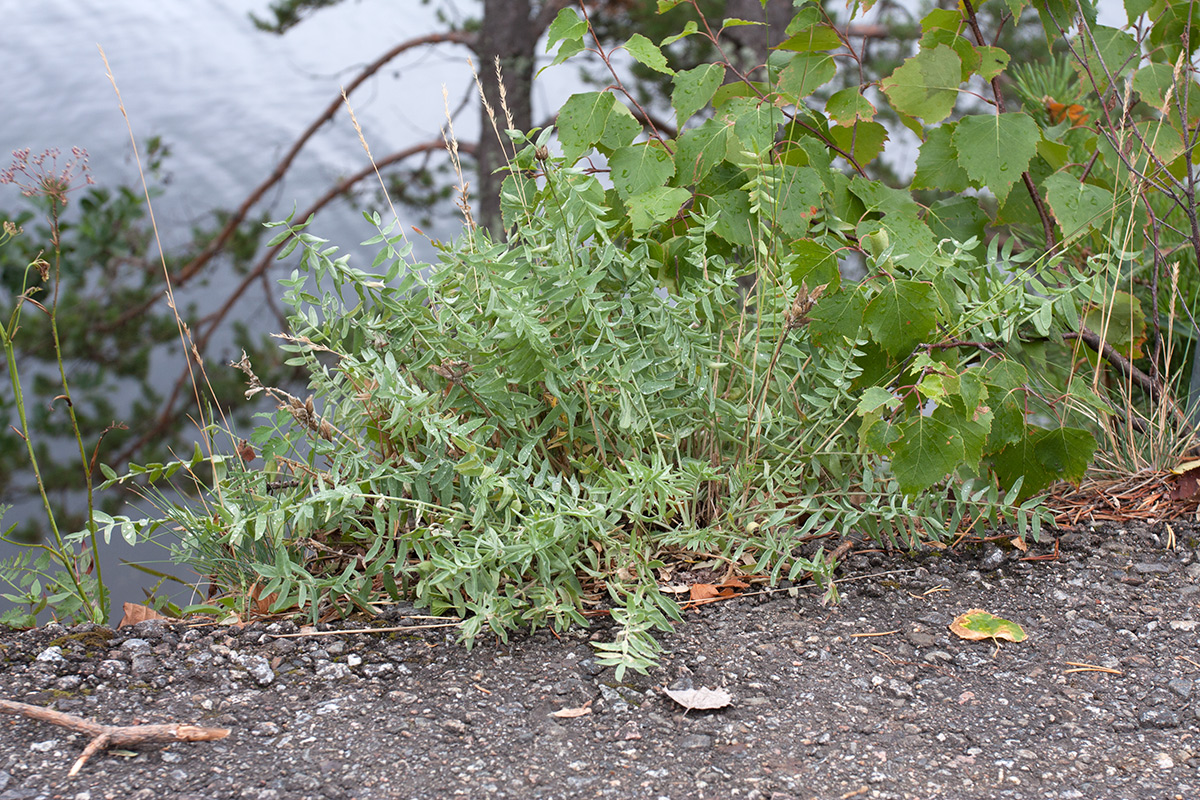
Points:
[978,624]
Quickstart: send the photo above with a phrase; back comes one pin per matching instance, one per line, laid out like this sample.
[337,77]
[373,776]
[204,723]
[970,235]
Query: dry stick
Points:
[105,736]
[1127,369]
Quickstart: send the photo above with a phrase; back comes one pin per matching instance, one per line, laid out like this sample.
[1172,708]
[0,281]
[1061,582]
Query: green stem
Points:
[96,611]
[59,551]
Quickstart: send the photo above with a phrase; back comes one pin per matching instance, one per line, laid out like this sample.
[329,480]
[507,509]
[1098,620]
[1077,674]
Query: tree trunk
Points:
[510,33]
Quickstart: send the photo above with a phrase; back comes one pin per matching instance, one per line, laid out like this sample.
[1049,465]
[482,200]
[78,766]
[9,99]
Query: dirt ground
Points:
[872,698]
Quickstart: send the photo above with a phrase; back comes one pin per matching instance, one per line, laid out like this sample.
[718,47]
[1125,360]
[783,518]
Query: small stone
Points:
[1158,717]
[455,726]
[143,664]
[353,660]
[44,747]
[52,656]
[1164,761]
[258,668]
[375,670]
[110,669]
[265,729]
[135,645]
[993,559]
[695,741]
[1150,568]
[1180,686]
[332,671]
[921,639]
[900,689]
[68,683]
[588,666]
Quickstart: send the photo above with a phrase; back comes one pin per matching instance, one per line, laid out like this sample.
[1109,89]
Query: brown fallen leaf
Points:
[135,613]
[701,699]
[703,591]
[571,713]
[1019,543]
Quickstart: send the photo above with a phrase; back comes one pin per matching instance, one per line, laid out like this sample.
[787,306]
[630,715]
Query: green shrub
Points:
[530,429]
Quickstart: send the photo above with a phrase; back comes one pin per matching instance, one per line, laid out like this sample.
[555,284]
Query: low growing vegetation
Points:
[547,423]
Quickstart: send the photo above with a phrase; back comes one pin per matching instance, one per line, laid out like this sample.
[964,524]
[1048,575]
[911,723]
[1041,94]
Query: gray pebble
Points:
[143,664]
[1158,717]
[110,669]
[695,741]
[51,655]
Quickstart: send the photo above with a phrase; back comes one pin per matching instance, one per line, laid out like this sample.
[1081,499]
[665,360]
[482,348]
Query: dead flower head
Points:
[43,176]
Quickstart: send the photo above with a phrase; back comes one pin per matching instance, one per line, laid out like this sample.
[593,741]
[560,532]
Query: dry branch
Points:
[104,736]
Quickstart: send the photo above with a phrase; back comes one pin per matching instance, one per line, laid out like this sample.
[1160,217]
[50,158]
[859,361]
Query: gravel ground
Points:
[818,710]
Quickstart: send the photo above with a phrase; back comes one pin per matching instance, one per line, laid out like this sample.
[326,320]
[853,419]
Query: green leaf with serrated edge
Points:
[640,167]
[805,73]
[972,427]
[1016,7]
[992,62]
[694,89]
[902,315]
[798,198]
[1103,53]
[815,37]
[925,453]
[1066,451]
[646,52]
[807,15]
[957,218]
[698,150]
[734,22]
[734,223]
[926,85]
[837,317]
[568,29]
[1135,8]
[813,264]
[978,624]
[655,206]
[847,105]
[862,140]
[687,31]
[911,238]
[755,124]
[972,388]
[666,5]
[1078,207]
[1008,426]
[593,119]
[875,397]
[567,25]
[735,89]
[949,19]
[967,53]
[995,149]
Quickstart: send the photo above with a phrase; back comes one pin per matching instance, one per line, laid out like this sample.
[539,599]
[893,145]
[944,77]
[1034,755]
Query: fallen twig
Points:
[104,736]
[1082,667]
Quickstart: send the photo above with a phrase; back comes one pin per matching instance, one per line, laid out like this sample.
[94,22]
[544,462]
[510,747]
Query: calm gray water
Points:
[228,100]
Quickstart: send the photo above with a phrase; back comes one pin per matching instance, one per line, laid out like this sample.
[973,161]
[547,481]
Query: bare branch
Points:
[104,736]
